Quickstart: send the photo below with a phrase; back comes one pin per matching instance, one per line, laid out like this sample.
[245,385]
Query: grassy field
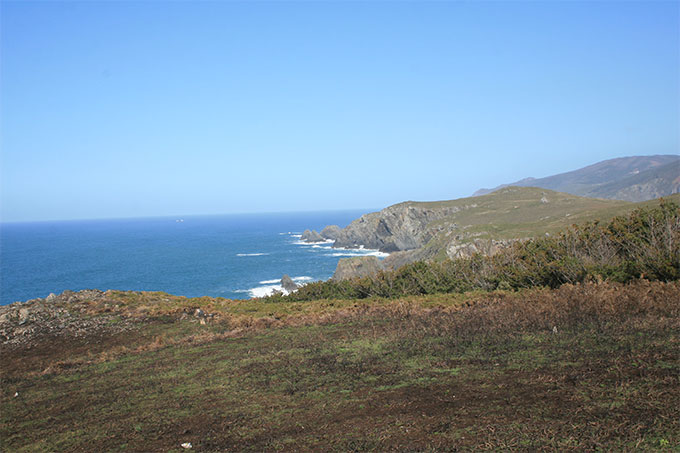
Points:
[586,367]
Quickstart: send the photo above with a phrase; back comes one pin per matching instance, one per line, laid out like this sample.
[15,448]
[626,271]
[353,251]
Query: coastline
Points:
[273,286]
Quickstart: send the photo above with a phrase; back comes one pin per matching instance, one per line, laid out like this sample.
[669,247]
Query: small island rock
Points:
[288,284]
[311,236]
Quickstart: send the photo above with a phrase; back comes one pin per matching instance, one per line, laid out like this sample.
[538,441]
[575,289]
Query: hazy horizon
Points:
[159,109]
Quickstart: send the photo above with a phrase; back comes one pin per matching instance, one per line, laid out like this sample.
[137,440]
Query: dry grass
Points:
[583,367]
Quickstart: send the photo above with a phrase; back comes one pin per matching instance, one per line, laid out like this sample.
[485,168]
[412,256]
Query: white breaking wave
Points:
[341,251]
[267,290]
[271,286]
[251,254]
[327,241]
[364,252]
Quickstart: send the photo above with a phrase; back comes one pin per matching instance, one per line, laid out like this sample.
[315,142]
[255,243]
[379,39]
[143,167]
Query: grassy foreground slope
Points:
[584,367]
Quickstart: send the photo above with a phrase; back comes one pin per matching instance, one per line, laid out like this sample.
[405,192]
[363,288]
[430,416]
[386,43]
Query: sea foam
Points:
[269,287]
[365,252]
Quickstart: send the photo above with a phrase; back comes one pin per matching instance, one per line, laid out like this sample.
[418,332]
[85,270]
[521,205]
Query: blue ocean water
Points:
[232,256]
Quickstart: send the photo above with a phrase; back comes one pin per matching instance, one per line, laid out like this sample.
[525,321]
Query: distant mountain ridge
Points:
[635,178]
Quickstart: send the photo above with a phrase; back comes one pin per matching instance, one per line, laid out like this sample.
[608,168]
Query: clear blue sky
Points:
[117,109]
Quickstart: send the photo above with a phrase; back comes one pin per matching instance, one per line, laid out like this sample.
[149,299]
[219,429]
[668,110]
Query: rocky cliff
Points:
[404,226]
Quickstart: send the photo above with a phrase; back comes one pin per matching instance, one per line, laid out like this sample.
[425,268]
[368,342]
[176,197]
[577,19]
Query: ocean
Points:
[231,256]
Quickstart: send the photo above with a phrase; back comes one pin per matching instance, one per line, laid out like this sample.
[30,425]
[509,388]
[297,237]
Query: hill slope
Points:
[636,178]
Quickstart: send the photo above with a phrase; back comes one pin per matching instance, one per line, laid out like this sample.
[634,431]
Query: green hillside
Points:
[509,214]
[515,212]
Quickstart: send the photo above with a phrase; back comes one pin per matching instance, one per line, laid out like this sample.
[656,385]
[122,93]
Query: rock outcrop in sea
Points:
[311,236]
[288,284]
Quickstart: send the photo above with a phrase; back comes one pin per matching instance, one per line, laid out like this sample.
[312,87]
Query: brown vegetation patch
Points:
[582,367]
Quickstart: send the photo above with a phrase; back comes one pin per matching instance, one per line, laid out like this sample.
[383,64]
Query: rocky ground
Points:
[70,313]
[84,313]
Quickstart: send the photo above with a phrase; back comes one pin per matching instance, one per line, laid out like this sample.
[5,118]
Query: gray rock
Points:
[361,266]
[23,314]
[311,236]
[488,247]
[330,232]
[51,298]
[403,226]
[288,284]
[398,259]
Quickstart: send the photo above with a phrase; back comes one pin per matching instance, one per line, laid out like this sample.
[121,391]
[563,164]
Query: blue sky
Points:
[124,109]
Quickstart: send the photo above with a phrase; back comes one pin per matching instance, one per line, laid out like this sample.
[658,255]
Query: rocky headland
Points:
[422,231]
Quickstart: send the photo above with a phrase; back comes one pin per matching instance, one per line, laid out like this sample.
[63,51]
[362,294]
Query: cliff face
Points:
[399,227]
